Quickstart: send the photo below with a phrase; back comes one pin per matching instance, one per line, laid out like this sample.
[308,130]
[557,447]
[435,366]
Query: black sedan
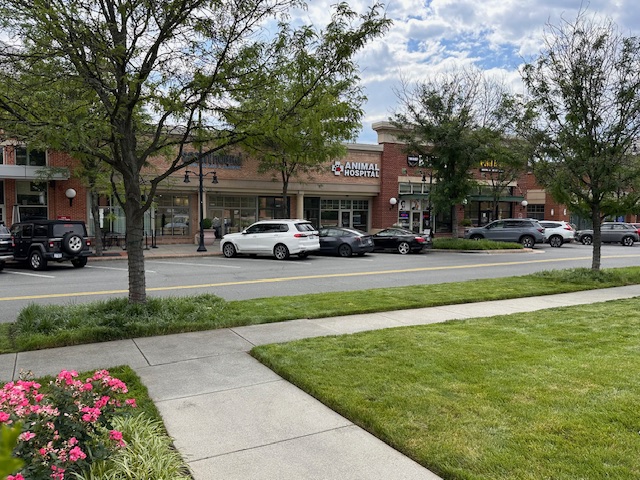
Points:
[344,241]
[400,240]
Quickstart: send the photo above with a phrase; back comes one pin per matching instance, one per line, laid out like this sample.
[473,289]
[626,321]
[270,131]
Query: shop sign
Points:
[356,169]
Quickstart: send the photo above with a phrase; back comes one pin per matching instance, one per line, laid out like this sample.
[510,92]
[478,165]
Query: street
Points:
[243,277]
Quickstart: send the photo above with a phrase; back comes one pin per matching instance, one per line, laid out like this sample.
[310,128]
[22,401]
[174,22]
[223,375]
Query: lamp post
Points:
[201,247]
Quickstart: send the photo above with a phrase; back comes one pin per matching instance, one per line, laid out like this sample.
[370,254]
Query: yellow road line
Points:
[304,277]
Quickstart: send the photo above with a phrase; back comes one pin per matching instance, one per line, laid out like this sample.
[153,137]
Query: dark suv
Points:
[39,241]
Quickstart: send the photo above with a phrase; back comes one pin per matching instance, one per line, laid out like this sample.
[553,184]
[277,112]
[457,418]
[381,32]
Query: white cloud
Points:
[428,36]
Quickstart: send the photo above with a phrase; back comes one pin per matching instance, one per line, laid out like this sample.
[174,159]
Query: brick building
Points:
[373,187]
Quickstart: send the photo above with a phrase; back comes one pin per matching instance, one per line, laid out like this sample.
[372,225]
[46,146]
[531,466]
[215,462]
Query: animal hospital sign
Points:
[356,169]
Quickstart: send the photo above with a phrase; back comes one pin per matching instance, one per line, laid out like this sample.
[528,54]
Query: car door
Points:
[22,235]
[495,231]
[248,240]
[607,232]
[328,240]
[386,239]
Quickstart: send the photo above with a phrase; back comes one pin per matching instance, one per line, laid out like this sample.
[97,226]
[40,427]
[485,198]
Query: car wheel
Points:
[587,240]
[281,252]
[476,237]
[344,250]
[1,266]
[79,262]
[228,250]
[528,241]
[72,243]
[627,241]
[37,261]
[555,241]
[404,248]
[303,254]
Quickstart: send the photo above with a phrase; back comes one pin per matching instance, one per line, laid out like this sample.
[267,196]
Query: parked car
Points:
[611,232]
[279,238]
[526,231]
[401,240]
[6,246]
[40,241]
[558,232]
[345,241]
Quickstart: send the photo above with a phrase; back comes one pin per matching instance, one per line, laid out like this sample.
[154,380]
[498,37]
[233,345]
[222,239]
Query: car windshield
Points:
[61,228]
[4,230]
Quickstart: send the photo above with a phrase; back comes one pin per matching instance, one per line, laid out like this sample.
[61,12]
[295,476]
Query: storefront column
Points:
[300,205]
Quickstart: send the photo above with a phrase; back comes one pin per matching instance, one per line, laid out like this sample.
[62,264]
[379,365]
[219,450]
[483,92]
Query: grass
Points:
[553,394]
[46,326]
[466,244]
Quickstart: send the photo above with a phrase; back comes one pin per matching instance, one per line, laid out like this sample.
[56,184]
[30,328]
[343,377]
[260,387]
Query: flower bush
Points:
[67,428]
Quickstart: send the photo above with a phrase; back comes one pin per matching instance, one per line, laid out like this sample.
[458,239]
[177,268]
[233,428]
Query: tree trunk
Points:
[597,239]
[134,218]
[454,221]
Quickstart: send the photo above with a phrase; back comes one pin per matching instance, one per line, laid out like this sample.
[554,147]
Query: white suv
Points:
[557,232]
[279,238]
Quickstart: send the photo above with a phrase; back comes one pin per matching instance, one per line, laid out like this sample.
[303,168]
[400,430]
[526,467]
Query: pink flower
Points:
[4,416]
[131,402]
[76,454]
[90,414]
[116,436]
[17,476]
[26,436]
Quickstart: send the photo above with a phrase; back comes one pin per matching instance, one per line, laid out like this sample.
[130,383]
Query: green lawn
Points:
[59,325]
[546,395]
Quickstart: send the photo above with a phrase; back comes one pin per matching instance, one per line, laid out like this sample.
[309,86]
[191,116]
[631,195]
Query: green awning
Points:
[413,196]
[489,198]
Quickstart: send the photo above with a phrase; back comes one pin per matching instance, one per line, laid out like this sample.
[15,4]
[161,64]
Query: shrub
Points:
[67,427]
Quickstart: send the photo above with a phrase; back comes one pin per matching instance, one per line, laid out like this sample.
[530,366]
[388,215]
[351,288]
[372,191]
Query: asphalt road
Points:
[243,278]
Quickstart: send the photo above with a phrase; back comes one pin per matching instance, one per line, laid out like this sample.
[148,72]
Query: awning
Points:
[413,196]
[489,198]
[28,172]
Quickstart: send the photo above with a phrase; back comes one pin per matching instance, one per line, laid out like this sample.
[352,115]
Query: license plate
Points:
[57,255]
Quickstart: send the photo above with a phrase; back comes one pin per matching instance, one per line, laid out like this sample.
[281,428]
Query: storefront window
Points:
[172,215]
[32,158]
[344,213]
[231,214]
[31,198]
[271,207]
[535,211]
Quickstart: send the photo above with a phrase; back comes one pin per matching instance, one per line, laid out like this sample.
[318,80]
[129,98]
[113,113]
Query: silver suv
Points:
[526,231]
[611,232]
[279,238]
[557,232]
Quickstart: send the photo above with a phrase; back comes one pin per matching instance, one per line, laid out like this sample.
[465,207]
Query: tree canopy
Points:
[124,80]
[456,120]
[584,118]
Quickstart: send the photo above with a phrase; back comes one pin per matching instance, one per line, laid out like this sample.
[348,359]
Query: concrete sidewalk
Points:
[234,419]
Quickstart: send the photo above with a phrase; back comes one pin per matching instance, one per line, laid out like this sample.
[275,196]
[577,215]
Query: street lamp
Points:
[201,247]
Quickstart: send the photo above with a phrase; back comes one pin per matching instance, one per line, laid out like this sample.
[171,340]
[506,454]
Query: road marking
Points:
[305,277]
[217,265]
[29,274]
[115,268]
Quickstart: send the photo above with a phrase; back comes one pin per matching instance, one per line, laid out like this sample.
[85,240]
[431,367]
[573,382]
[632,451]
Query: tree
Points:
[134,74]
[327,108]
[585,97]
[455,120]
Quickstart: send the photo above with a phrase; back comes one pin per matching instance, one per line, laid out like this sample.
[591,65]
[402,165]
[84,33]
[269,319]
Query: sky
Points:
[429,36]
